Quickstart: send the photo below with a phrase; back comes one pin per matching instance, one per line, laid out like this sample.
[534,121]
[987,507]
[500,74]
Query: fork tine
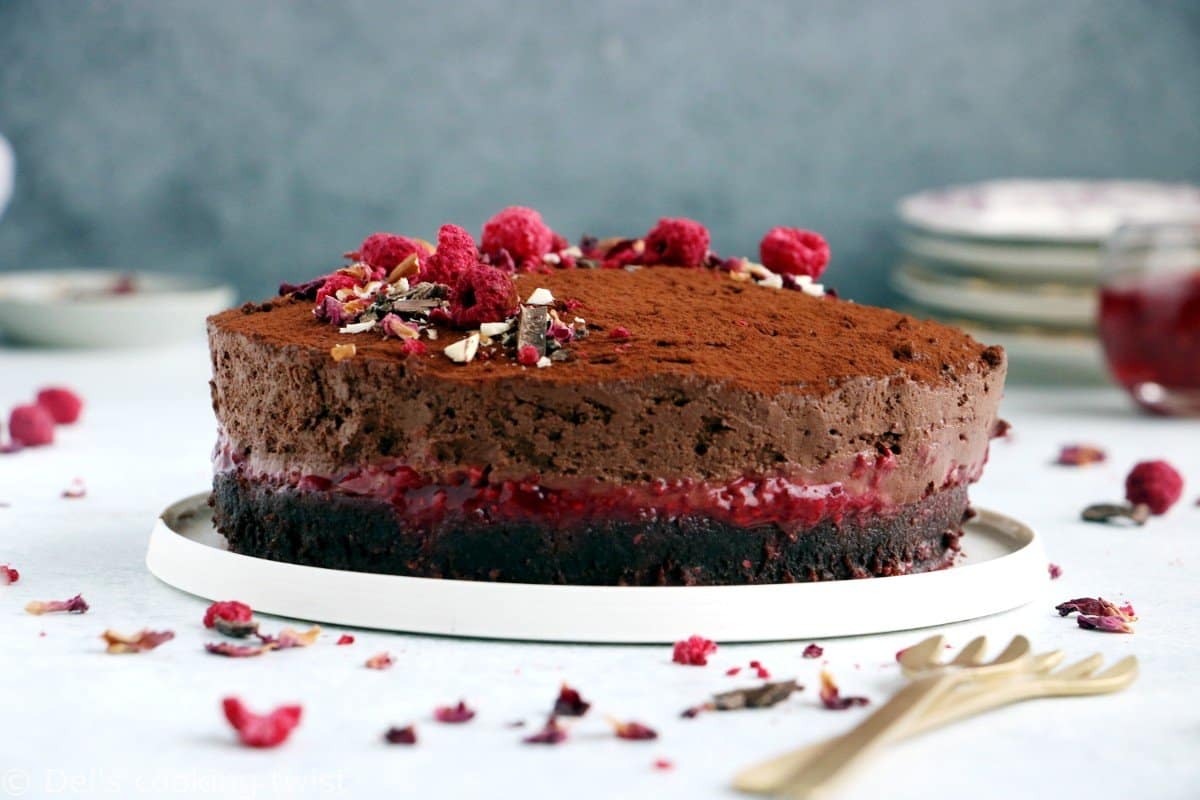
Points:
[972,654]
[1018,647]
[1081,669]
[1045,662]
[1127,665]
[923,655]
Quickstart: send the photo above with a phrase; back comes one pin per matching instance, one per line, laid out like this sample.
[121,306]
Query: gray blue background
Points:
[257,140]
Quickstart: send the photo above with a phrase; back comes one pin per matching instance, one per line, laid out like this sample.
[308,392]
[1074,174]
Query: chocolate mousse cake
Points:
[621,412]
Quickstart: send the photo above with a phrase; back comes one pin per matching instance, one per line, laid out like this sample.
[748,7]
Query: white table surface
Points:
[75,721]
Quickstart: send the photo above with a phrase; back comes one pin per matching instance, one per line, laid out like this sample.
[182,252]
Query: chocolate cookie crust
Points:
[363,534]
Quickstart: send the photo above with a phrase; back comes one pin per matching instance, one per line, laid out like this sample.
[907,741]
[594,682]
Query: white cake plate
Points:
[1004,567]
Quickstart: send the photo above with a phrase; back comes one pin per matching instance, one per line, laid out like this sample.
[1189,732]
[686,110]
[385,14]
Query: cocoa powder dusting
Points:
[682,322]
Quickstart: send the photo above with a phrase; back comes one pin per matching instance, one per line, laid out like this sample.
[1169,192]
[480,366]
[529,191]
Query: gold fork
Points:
[1078,679]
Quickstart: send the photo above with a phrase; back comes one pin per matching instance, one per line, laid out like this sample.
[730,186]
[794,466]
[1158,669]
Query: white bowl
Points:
[79,308]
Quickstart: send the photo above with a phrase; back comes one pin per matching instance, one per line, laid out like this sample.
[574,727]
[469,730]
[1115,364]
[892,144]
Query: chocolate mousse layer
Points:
[686,375]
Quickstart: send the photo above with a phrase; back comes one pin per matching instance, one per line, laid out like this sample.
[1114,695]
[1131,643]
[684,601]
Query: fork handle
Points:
[768,776]
[852,748]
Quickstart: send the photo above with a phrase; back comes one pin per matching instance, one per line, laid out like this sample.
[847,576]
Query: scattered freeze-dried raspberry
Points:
[384,251]
[31,426]
[454,714]
[75,605]
[733,671]
[664,764]
[455,253]
[380,661]
[551,733]
[1055,571]
[229,610]
[76,490]
[759,669]
[832,698]
[570,703]
[792,251]
[1080,455]
[8,575]
[1152,483]
[528,355]
[482,294]
[693,651]
[412,347]
[62,404]
[405,735]
[261,730]
[519,231]
[676,242]
[814,650]
[139,642]
[345,638]
[620,333]
[633,731]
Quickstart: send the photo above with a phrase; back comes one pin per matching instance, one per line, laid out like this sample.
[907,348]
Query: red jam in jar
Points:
[1150,328]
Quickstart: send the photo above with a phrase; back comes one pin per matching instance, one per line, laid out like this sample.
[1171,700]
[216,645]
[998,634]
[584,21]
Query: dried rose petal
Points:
[633,731]
[405,735]
[230,610]
[380,661]
[345,638]
[1080,455]
[551,733]
[231,650]
[8,575]
[289,638]
[569,703]
[75,605]
[831,697]
[1095,606]
[76,490]
[813,651]
[139,642]
[1055,571]
[693,651]
[1106,624]
[261,730]
[454,714]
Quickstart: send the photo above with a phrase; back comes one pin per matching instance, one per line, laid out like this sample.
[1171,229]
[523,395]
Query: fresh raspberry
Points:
[261,730]
[455,253]
[333,284]
[384,251]
[527,355]
[694,651]
[31,426]
[677,242]
[791,251]
[482,294]
[518,230]
[1154,483]
[228,610]
[63,405]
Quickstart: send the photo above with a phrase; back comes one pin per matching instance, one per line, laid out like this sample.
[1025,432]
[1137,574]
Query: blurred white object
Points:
[1046,210]
[1023,303]
[8,171]
[105,308]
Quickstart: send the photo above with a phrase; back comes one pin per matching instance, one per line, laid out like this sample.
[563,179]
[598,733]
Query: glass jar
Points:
[1150,314]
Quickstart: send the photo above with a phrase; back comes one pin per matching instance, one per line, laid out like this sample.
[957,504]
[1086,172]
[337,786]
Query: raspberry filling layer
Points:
[425,501]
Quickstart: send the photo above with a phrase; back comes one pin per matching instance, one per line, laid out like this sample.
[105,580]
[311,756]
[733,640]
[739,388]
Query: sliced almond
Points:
[463,351]
[405,269]
[494,328]
[540,297]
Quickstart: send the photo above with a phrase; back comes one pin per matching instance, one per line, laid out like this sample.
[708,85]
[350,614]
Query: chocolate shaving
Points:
[531,328]
[1112,512]
[763,696]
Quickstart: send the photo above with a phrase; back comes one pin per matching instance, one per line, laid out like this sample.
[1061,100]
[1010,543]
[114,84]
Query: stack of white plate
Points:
[1017,262]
